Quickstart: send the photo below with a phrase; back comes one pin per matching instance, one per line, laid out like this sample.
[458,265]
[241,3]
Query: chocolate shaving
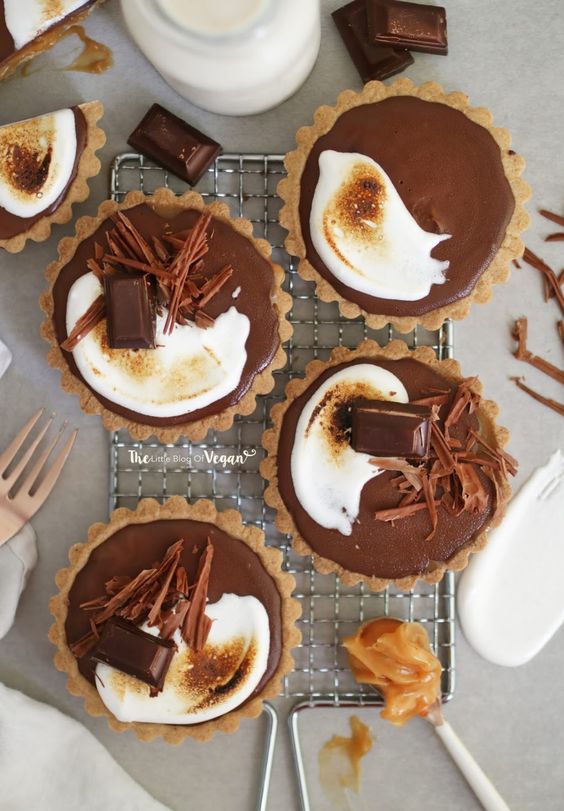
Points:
[473,494]
[553,404]
[519,332]
[411,474]
[550,215]
[534,261]
[450,477]
[556,237]
[158,596]
[181,286]
[395,513]
[85,324]
[197,625]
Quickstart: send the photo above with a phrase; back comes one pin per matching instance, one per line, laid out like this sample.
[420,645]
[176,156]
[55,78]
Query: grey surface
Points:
[506,56]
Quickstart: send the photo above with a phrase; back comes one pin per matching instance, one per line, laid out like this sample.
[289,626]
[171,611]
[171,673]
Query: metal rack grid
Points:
[330,609]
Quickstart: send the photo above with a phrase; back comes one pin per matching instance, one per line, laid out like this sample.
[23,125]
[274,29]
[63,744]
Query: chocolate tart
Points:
[11,57]
[260,298]
[131,541]
[28,176]
[398,551]
[453,170]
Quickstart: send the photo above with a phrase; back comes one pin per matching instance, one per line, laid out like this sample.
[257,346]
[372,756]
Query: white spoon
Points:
[477,779]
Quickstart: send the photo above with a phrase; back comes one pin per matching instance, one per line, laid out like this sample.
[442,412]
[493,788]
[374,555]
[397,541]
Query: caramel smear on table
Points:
[94,58]
[396,658]
[340,764]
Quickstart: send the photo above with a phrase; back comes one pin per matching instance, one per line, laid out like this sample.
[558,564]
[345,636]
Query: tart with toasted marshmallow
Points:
[44,169]
[166,316]
[404,204]
[174,620]
[30,27]
[386,465]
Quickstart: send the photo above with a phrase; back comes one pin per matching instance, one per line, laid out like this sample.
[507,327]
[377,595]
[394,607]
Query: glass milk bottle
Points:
[234,57]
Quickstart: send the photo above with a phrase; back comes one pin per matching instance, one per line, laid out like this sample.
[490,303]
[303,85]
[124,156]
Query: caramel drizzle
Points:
[519,333]
[449,477]
[86,323]
[182,287]
[160,596]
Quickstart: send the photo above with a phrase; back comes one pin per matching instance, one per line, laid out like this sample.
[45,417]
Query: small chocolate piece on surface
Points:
[407,25]
[130,308]
[372,61]
[132,651]
[174,144]
[383,428]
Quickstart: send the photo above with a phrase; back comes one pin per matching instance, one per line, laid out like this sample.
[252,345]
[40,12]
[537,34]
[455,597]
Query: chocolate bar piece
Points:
[407,25]
[174,144]
[371,61]
[127,648]
[130,308]
[382,428]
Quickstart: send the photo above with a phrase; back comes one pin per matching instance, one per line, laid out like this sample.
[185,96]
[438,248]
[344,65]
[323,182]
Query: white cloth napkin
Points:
[49,762]
[18,556]
[5,357]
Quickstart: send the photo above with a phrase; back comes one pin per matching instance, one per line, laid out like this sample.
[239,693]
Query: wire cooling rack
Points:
[142,469]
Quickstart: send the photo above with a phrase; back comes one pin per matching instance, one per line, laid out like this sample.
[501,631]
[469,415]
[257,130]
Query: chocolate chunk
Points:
[382,428]
[372,61]
[407,25]
[130,308]
[174,144]
[127,648]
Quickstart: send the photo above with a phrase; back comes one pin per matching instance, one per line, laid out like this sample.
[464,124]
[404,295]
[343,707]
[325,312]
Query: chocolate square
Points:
[130,309]
[383,428]
[407,25]
[372,61]
[132,651]
[174,144]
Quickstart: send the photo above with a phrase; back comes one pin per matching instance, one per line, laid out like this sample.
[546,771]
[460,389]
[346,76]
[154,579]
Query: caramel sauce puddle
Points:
[95,57]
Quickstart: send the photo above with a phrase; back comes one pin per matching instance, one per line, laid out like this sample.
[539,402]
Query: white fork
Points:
[16,508]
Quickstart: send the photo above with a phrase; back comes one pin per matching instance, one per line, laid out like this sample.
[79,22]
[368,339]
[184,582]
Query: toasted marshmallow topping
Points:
[36,162]
[365,235]
[26,19]
[328,475]
[198,686]
[188,370]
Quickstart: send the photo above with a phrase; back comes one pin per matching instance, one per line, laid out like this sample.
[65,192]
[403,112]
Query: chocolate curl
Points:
[412,474]
[556,237]
[194,248]
[473,494]
[197,625]
[86,323]
[395,513]
[550,215]
[519,333]
[553,404]
[534,261]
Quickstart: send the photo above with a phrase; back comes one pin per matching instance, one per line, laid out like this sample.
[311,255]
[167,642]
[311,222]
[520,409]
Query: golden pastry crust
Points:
[148,510]
[167,204]
[77,192]
[44,41]
[492,433]
[289,190]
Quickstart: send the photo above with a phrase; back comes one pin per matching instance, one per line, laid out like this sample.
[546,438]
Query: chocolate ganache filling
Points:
[377,548]
[449,174]
[252,281]
[29,173]
[236,570]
